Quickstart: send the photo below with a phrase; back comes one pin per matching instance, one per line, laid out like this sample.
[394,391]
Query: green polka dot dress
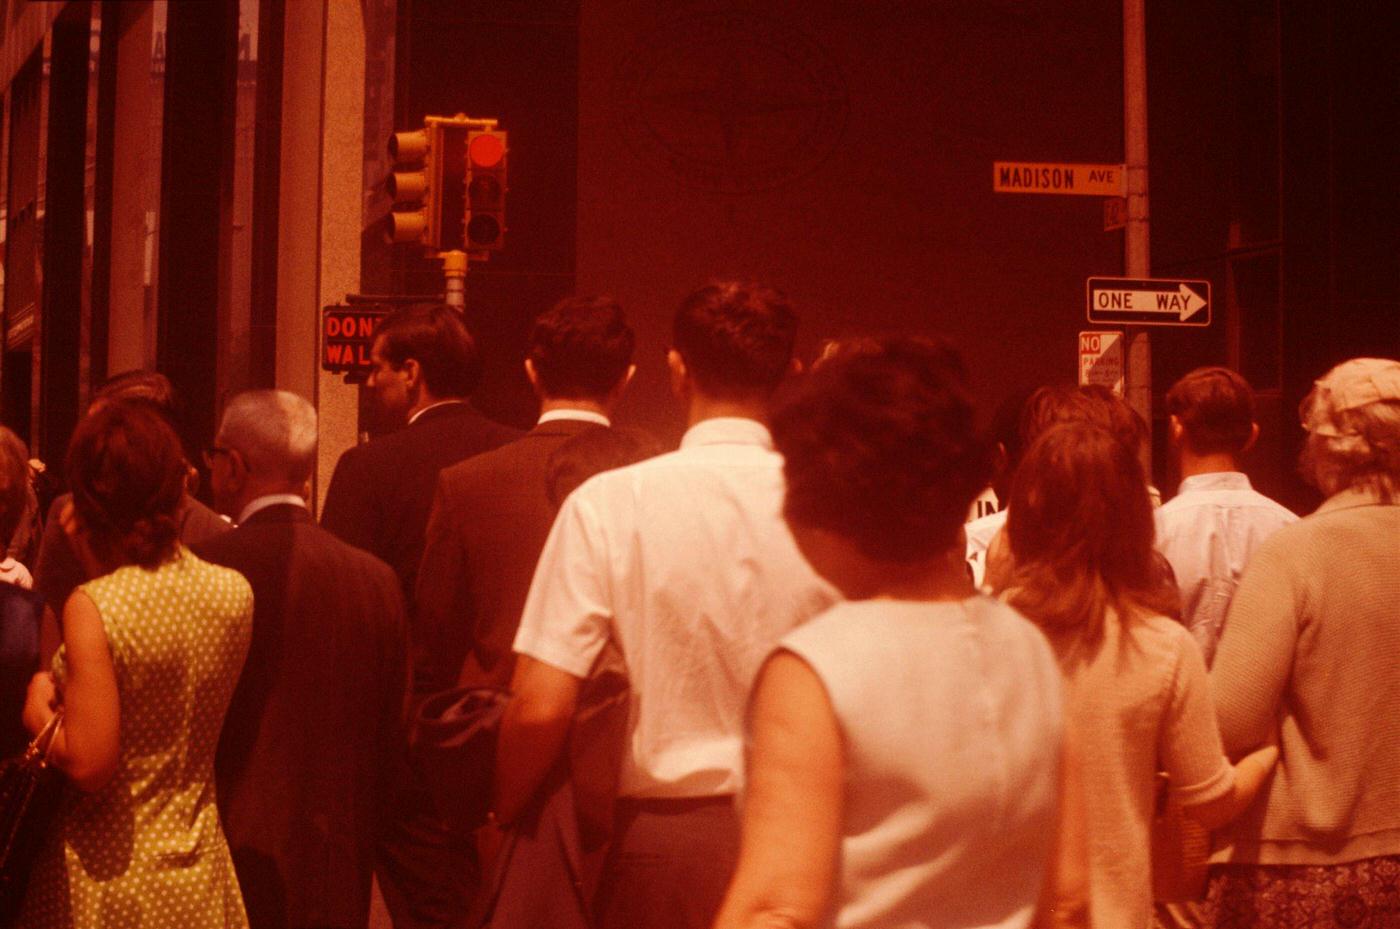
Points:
[147,850]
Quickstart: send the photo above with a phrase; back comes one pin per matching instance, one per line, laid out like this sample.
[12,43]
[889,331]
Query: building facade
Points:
[185,185]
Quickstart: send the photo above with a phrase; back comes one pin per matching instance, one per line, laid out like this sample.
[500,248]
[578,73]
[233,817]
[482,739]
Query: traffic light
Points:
[486,190]
[411,186]
[429,181]
[449,185]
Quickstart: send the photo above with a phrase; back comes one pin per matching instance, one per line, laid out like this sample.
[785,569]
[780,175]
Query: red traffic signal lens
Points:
[486,151]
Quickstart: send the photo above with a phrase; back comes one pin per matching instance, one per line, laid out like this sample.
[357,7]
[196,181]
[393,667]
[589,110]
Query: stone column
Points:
[322,180]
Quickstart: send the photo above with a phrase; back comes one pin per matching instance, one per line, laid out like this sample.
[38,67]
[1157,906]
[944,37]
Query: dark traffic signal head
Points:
[486,190]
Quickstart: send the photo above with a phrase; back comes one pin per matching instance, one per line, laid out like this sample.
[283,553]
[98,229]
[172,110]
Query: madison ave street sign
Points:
[1156,302]
[1025,177]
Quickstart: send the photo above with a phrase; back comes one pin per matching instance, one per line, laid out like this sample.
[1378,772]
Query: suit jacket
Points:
[381,492]
[58,571]
[488,523]
[316,723]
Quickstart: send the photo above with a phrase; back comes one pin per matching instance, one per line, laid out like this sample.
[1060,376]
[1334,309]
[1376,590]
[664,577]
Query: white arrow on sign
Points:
[1184,303]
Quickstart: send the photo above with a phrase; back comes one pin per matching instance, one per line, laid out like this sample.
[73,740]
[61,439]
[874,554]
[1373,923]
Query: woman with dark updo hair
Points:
[152,649]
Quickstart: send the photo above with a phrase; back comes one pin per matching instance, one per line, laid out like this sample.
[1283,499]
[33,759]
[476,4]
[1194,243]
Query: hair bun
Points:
[150,539]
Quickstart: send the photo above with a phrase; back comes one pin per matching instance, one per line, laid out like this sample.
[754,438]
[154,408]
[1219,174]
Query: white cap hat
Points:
[1350,386]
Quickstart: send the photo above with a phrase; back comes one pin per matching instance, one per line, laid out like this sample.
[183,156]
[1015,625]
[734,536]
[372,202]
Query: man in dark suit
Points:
[492,512]
[315,726]
[425,367]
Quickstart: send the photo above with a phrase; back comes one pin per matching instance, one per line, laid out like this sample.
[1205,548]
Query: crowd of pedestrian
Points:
[791,673]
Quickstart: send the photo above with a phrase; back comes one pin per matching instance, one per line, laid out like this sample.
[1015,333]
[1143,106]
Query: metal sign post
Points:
[1137,241]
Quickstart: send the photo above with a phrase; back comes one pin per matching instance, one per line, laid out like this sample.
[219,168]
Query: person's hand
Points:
[40,702]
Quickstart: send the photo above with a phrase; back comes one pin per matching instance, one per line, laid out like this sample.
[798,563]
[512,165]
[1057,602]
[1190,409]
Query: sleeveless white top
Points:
[951,717]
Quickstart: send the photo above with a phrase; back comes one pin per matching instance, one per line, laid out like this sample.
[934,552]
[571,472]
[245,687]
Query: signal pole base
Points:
[454,272]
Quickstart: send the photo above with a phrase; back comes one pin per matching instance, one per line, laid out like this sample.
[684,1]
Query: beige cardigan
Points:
[1310,656]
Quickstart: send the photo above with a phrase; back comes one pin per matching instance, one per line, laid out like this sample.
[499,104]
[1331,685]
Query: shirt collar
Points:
[587,416]
[432,406]
[267,500]
[1352,496]
[1216,480]
[728,430]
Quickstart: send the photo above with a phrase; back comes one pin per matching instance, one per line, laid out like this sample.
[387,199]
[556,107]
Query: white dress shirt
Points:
[980,533]
[267,500]
[1208,532]
[570,413]
[432,406]
[685,560]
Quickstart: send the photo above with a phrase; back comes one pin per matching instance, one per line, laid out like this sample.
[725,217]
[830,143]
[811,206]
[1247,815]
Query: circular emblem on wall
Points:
[731,102]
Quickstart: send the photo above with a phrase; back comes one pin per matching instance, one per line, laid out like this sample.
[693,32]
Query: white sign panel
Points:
[1120,301]
[1101,360]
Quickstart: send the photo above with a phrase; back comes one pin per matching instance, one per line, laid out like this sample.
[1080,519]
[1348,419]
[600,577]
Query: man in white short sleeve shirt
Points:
[1209,530]
[685,562]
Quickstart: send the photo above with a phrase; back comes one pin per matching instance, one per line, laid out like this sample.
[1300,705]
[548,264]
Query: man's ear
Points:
[533,377]
[620,387]
[680,374]
[1253,437]
[1175,430]
[413,374]
[237,469]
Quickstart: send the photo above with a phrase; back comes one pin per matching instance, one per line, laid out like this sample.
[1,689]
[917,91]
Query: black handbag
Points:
[453,746]
[30,789]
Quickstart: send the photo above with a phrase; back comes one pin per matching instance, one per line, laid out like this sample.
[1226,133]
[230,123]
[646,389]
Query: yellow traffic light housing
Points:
[411,186]
[447,176]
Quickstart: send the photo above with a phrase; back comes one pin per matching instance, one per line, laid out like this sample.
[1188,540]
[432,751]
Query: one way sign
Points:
[1155,302]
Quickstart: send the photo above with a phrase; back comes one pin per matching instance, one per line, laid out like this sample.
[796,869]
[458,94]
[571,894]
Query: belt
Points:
[671,805]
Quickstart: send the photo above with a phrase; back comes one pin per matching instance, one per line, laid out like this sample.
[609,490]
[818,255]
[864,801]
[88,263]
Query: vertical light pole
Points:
[1137,251]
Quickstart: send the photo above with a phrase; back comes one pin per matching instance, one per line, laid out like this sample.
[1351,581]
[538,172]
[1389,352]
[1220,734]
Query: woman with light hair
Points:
[1307,658]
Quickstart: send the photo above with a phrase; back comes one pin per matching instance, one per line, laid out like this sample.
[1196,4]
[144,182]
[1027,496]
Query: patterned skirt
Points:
[1357,895]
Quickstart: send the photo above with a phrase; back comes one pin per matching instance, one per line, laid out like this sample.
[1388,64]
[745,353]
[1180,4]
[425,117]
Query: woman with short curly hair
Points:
[152,649]
[905,745]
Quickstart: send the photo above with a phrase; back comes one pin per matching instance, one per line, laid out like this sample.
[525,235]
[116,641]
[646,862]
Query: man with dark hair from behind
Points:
[1038,411]
[1217,519]
[425,367]
[491,512]
[315,727]
[684,562]
[58,570]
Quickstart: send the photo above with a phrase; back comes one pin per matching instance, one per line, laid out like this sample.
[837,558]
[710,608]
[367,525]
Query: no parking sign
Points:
[1101,360]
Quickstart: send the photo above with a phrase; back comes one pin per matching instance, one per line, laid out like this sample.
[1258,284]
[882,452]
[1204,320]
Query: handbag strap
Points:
[39,748]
